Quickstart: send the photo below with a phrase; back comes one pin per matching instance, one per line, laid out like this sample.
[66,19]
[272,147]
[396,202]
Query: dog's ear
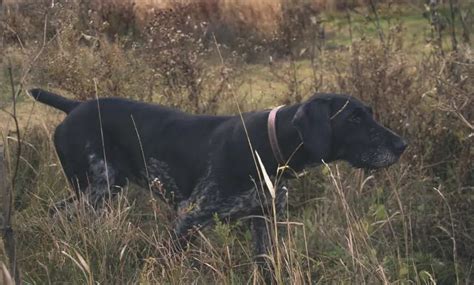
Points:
[312,122]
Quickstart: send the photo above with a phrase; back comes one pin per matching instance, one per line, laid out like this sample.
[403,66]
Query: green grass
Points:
[415,27]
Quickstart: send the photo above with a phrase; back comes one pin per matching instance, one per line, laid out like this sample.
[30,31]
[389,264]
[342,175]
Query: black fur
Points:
[203,164]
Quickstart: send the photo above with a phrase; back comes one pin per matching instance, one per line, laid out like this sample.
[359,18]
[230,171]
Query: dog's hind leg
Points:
[90,173]
[97,182]
[102,180]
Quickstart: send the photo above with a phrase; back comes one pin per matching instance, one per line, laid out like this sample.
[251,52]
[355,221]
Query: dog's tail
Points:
[64,104]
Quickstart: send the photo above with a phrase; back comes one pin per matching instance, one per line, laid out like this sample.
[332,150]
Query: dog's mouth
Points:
[374,160]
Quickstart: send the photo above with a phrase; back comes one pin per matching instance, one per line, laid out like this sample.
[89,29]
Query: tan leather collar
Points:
[271,126]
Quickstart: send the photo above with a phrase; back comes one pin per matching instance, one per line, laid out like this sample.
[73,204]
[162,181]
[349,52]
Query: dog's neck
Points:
[289,139]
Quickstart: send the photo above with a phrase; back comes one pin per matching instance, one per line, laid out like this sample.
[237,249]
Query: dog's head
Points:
[339,127]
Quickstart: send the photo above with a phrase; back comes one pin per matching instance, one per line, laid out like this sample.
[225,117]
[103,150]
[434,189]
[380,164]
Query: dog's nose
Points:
[400,145]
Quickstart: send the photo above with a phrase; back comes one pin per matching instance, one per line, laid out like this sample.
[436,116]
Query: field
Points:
[412,223]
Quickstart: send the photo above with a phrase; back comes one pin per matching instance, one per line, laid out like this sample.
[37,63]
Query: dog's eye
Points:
[355,118]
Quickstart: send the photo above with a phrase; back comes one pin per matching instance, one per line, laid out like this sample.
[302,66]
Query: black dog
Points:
[204,164]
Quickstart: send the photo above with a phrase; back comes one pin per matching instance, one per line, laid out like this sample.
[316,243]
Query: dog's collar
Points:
[271,126]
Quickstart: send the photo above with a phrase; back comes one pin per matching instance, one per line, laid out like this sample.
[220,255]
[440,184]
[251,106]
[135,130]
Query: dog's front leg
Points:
[264,236]
[191,218]
[199,210]
[261,226]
